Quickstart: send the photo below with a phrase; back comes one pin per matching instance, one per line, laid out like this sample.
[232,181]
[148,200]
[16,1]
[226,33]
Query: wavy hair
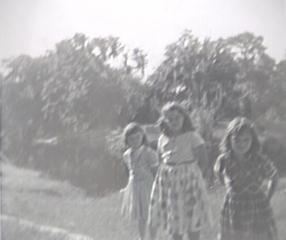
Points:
[173,106]
[132,128]
[235,127]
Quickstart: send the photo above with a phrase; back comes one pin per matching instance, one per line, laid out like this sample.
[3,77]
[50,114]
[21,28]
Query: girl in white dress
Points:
[142,163]
[179,207]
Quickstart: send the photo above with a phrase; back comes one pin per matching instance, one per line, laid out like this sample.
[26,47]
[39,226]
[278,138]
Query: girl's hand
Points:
[270,186]
[266,187]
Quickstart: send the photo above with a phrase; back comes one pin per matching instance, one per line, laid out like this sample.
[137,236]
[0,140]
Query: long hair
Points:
[131,128]
[235,127]
[173,106]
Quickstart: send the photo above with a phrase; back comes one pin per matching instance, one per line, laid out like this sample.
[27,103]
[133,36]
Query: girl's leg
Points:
[194,235]
[142,228]
[177,236]
[191,236]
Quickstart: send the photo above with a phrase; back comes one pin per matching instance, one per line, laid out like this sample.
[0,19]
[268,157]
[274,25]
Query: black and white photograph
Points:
[143,120]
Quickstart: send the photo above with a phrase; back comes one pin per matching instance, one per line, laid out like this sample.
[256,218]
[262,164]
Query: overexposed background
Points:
[32,26]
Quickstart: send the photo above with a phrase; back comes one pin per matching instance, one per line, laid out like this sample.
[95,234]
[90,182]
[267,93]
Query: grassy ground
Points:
[27,195]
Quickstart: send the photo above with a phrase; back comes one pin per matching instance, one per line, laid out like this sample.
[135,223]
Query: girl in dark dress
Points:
[250,179]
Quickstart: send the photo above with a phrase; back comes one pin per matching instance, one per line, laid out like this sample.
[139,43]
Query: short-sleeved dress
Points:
[179,204]
[246,213]
[142,163]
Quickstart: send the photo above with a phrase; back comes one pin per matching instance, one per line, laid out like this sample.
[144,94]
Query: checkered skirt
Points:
[247,216]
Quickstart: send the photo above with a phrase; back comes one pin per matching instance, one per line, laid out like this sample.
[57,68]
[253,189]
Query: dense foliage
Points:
[219,74]
[89,87]
[82,85]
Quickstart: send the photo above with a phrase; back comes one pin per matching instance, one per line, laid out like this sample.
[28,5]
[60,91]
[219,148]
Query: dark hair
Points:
[173,106]
[132,128]
[235,127]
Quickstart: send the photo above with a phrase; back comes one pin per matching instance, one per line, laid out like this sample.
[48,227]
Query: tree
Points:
[22,104]
[76,83]
[196,73]
[256,68]
[217,75]
[78,86]
[278,86]
[280,75]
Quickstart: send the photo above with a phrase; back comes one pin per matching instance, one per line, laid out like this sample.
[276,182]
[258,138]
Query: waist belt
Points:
[179,163]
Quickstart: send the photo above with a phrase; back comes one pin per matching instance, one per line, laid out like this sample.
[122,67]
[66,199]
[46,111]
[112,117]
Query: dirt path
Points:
[42,201]
[15,228]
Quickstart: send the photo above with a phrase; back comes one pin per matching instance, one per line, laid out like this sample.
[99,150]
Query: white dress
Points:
[179,202]
[136,196]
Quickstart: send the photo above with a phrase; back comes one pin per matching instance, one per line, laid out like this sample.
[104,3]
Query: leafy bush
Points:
[84,87]
[85,160]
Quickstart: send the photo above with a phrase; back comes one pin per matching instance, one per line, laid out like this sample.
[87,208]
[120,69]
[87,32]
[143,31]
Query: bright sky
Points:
[33,26]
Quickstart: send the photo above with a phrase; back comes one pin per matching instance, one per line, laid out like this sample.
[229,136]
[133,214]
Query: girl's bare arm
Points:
[201,153]
[272,185]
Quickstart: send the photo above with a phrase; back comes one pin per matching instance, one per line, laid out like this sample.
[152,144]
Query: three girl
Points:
[250,179]
[178,206]
[142,163]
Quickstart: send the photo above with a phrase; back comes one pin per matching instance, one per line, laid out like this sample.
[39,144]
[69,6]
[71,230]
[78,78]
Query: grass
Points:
[27,195]
[46,202]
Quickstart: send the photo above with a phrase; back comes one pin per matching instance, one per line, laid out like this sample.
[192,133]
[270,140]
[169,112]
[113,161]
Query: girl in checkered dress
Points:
[142,163]
[179,207]
[250,179]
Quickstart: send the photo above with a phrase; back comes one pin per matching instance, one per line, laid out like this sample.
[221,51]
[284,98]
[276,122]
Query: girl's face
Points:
[242,142]
[175,120]
[135,139]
